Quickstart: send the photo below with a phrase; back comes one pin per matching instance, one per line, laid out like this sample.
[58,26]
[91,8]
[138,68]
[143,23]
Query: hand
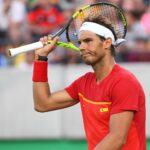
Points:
[47,47]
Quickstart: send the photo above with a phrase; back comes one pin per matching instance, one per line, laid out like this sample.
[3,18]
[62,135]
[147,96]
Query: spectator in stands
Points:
[137,37]
[140,52]
[4,20]
[18,30]
[12,21]
[45,18]
[3,56]
[145,20]
[12,26]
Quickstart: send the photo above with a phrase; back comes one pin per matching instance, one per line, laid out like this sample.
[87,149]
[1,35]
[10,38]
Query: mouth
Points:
[85,55]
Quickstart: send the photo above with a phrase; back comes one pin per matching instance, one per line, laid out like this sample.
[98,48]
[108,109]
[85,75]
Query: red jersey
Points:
[119,91]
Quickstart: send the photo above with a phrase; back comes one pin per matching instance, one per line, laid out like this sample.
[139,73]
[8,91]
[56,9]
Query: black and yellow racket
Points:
[110,11]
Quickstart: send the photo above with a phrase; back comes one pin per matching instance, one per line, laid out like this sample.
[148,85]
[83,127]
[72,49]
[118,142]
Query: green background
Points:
[47,145]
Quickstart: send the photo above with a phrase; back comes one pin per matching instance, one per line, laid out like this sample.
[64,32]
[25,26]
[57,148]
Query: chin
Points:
[88,62]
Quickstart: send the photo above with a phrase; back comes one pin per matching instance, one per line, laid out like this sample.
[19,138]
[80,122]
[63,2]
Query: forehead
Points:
[86,34]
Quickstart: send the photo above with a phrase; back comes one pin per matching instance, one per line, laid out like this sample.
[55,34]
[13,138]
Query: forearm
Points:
[41,93]
[41,90]
[110,142]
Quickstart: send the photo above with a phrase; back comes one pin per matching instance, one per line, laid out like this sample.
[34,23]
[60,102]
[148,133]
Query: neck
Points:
[103,68]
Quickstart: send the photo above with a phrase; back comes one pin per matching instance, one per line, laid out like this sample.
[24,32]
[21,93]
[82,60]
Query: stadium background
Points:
[23,128]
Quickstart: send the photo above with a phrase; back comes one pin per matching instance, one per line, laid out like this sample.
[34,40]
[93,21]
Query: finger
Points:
[42,40]
[53,43]
[49,37]
[45,38]
[56,39]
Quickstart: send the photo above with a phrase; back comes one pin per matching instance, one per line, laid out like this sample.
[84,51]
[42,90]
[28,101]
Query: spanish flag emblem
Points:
[104,109]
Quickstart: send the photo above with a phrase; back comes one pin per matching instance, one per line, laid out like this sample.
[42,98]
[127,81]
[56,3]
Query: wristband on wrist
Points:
[40,69]
[41,58]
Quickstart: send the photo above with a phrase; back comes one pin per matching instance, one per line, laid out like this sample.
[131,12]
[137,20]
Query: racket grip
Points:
[25,48]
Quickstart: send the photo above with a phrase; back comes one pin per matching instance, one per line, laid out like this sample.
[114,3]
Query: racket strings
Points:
[113,16]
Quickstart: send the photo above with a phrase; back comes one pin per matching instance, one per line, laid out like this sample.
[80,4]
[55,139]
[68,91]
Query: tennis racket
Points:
[71,29]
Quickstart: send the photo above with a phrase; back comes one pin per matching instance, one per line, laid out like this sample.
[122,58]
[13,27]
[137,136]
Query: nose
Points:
[82,47]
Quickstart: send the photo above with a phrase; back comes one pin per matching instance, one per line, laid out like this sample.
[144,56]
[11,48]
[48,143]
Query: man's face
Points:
[91,47]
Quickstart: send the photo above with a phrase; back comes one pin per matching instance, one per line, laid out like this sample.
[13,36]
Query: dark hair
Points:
[105,22]
[112,48]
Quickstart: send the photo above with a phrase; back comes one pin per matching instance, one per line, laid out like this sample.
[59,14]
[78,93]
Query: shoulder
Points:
[126,78]
[123,74]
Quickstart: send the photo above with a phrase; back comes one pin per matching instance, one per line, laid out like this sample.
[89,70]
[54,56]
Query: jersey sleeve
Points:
[77,86]
[125,96]
[73,90]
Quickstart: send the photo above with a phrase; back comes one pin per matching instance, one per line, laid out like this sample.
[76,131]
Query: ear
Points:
[107,43]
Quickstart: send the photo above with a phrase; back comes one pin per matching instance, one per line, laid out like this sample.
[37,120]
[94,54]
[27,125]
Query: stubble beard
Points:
[93,62]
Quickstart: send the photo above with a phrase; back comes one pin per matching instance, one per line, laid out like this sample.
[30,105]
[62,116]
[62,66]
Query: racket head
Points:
[113,15]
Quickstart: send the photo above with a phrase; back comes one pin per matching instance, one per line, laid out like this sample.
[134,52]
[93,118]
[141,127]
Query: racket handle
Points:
[25,48]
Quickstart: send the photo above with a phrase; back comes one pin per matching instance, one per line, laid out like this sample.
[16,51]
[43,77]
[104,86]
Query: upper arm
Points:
[120,124]
[57,100]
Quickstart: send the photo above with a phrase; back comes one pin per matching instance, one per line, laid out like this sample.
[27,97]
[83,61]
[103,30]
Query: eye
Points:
[88,40]
[79,42]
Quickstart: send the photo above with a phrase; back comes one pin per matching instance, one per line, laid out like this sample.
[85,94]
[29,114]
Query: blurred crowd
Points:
[25,21]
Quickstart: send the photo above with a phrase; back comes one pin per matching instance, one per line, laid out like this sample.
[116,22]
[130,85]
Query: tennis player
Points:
[112,99]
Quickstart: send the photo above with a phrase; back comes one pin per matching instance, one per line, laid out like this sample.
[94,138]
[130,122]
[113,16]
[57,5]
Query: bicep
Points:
[58,100]
[120,124]
[62,97]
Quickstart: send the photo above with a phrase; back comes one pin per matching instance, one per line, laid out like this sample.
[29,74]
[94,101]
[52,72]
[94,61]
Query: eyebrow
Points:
[85,40]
